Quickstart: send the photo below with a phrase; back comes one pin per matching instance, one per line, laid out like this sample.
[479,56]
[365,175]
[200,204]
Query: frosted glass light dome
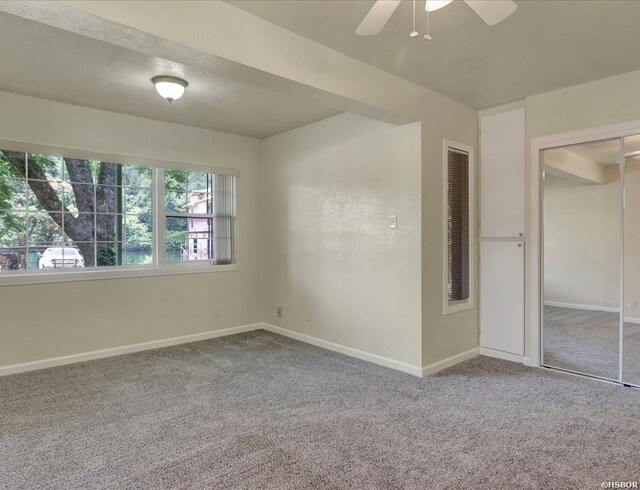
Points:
[431,5]
[170,88]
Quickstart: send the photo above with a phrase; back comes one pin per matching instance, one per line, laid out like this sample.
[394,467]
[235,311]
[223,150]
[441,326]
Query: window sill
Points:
[37,277]
[458,307]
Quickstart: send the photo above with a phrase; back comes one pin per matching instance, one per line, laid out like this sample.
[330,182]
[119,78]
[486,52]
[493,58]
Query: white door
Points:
[502,296]
[502,148]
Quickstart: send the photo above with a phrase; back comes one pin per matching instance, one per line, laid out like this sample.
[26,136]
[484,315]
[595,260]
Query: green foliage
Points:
[107,254]
[16,196]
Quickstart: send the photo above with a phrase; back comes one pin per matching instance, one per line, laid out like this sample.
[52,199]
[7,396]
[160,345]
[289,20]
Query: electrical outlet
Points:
[633,304]
[279,311]
[217,310]
[307,316]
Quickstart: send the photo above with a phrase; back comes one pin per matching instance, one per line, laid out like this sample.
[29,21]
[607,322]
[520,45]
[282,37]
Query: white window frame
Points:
[159,266]
[468,304]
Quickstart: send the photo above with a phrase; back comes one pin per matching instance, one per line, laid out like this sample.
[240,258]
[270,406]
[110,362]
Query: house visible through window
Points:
[458,226]
[75,214]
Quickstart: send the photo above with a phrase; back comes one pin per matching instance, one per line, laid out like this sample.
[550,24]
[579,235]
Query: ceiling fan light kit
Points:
[490,11]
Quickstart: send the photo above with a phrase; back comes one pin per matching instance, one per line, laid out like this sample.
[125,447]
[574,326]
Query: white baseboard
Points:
[607,309]
[507,356]
[343,349]
[449,361]
[125,349]
[184,339]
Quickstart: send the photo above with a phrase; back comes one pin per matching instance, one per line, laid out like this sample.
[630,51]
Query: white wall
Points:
[331,187]
[50,320]
[443,336]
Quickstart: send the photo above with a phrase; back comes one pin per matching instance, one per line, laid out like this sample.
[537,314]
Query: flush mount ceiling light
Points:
[170,88]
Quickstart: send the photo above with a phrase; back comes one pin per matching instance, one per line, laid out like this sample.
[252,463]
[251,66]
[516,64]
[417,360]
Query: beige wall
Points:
[329,249]
[443,336]
[582,243]
[50,320]
[608,101]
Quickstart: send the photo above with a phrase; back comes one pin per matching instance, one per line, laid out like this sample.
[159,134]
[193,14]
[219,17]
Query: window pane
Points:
[189,239]
[13,228]
[138,228]
[13,194]
[44,196]
[79,227]
[138,253]
[44,167]
[12,257]
[175,179]
[109,199]
[110,254]
[136,176]
[77,170]
[109,227]
[200,181]
[13,164]
[200,202]
[79,198]
[175,201]
[44,228]
[137,200]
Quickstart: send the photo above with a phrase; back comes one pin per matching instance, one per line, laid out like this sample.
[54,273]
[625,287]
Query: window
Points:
[64,215]
[458,222]
[199,213]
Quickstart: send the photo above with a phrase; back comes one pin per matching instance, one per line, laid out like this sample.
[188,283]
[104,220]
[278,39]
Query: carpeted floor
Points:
[258,410]
[588,342]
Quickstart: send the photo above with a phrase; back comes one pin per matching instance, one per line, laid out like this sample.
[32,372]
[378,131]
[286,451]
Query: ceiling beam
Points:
[230,42]
[565,164]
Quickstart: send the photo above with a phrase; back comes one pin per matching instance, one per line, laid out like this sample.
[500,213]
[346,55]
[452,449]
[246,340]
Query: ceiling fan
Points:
[491,11]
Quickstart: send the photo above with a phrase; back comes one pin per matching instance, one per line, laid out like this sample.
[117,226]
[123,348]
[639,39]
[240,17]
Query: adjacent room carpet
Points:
[258,410]
[588,342]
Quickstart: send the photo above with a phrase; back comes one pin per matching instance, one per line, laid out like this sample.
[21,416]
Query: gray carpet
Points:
[258,410]
[588,342]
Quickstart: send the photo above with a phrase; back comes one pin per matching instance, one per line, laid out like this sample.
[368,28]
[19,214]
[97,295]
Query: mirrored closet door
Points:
[582,237]
[631,325]
[591,259]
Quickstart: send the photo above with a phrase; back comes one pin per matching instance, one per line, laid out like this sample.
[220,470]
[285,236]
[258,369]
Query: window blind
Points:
[224,212]
[458,224]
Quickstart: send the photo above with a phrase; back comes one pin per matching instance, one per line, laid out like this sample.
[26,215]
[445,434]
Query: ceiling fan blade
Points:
[492,11]
[377,17]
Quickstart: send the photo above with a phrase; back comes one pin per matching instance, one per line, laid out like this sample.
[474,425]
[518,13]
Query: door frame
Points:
[536,272]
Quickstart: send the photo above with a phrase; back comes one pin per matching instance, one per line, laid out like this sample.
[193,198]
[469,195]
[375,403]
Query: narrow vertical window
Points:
[458,228]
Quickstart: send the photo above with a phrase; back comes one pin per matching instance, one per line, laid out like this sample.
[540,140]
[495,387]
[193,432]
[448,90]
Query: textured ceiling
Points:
[44,61]
[544,45]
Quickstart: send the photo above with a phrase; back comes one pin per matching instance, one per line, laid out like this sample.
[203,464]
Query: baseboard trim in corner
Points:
[507,356]
[449,362]
[343,349]
[125,349]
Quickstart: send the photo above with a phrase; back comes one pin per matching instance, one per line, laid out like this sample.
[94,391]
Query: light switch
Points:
[394,221]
